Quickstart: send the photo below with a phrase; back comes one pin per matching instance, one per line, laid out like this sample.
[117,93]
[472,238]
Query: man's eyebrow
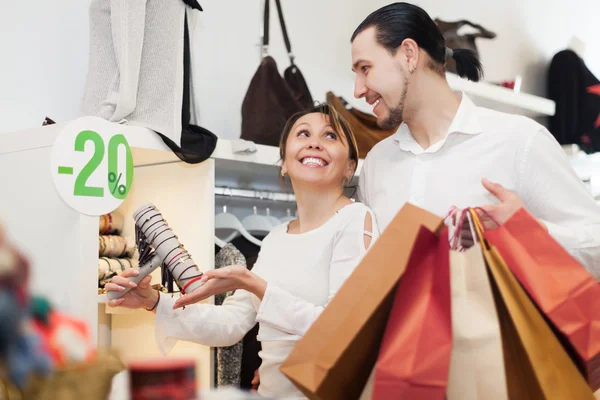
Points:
[356,64]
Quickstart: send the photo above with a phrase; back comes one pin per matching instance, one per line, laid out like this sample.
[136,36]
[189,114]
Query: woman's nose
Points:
[315,144]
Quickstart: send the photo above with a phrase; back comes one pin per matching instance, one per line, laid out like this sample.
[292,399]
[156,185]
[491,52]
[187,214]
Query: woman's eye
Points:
[365,69]
[331,135]
[303,133]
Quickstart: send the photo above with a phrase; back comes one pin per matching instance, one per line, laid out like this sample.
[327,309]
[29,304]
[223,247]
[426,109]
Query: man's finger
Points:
[496,189]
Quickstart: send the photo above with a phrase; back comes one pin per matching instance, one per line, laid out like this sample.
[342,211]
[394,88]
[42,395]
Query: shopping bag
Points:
[477,362]
[334,358]
[414,358]
[536,364]
[564,291]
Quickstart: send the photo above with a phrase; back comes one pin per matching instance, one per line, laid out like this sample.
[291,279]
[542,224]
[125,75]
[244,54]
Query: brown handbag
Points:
[455,41]
[363,125]
[272,99]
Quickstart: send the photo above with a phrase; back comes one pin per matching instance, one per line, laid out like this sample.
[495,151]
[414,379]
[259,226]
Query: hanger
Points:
[288,216]
[219,242]
[227,220]
[274,221]
[257,223]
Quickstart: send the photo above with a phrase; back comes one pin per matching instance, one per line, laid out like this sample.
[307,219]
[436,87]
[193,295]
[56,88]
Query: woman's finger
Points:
[144,283]
[189,299]
[129,272]
[116,302]
[113,287]
[121,281]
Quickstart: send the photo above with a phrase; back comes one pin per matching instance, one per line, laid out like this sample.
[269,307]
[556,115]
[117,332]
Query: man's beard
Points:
[394,118]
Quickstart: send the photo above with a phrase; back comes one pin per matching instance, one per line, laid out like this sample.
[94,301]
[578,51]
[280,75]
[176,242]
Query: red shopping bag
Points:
[414,358]
[564,291]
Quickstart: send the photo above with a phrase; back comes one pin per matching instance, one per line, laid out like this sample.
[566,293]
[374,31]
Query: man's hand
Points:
[501,212]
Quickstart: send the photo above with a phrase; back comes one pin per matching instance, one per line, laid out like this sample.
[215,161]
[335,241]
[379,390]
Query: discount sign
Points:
[92,166]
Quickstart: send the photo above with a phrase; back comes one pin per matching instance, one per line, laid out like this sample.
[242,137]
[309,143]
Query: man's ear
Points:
[409,54]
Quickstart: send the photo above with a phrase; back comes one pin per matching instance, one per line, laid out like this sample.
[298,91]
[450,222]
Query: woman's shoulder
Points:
[354,215]
[355,210]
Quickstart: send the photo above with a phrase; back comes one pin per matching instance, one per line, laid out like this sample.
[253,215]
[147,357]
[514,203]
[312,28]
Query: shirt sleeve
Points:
[206,324]
[552,192]
[288,313]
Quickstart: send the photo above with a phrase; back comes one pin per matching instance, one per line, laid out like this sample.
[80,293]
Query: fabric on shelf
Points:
[114,246]
[111,223]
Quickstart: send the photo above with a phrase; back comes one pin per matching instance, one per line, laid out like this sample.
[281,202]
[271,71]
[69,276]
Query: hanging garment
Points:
[228,360]
[139,71]
[576,92]
[251,346]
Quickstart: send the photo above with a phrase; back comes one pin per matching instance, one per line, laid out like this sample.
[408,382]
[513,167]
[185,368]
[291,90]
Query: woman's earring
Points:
[345,180]
[282,174]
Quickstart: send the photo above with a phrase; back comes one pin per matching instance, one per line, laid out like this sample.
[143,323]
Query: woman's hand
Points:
[140,295]
[223,280]
[255,381]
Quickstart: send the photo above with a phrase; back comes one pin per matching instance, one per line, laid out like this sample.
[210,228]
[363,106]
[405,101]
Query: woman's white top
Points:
[303,273]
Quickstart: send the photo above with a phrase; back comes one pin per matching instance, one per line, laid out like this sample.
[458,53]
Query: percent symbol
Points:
[112,178]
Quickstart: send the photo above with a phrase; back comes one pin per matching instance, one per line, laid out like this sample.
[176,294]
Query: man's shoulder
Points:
[506,127]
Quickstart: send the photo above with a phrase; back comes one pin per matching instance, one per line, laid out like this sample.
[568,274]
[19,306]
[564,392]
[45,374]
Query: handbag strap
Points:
[286,38]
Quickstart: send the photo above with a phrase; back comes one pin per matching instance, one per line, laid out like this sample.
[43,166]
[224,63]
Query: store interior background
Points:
[45,49]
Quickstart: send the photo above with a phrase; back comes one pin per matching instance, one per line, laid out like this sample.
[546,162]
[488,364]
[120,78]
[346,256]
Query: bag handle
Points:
[478,227]
[286,38]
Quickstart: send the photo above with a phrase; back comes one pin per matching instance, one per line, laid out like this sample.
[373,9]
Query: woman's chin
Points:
[314,179]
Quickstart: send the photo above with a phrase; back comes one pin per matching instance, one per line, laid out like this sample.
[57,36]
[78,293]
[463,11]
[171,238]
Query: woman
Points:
[301,265]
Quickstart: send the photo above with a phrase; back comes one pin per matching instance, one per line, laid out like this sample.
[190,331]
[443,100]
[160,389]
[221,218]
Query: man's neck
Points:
[431,110]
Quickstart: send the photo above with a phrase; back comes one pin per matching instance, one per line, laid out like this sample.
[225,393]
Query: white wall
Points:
[43,53]
[44,49]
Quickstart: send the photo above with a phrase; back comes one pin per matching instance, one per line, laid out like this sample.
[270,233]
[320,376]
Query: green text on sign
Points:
[116,188]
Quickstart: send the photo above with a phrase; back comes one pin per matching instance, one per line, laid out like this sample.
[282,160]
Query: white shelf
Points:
[502,99]
[258,171]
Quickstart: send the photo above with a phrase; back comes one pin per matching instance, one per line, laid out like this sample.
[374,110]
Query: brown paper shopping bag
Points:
[537,366]
[335,357]
[477,362]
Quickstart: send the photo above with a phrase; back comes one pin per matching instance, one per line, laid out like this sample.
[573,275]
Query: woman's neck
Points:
[315,207]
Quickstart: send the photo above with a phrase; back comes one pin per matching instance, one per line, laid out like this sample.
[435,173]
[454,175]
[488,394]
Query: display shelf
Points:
[259,170]
[502,99]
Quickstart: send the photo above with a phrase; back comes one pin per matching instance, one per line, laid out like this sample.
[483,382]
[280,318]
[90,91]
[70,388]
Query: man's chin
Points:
[386,123]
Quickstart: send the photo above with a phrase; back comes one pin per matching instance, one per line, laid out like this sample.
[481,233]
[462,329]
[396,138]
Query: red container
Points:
[164,379]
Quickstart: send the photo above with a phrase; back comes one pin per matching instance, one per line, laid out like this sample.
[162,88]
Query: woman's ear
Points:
[283,169]
[351,169]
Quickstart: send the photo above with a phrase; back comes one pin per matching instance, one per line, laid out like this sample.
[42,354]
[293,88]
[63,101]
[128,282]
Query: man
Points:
[448,152]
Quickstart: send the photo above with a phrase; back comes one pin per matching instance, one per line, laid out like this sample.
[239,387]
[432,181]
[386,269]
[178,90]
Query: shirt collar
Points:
[465,122]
